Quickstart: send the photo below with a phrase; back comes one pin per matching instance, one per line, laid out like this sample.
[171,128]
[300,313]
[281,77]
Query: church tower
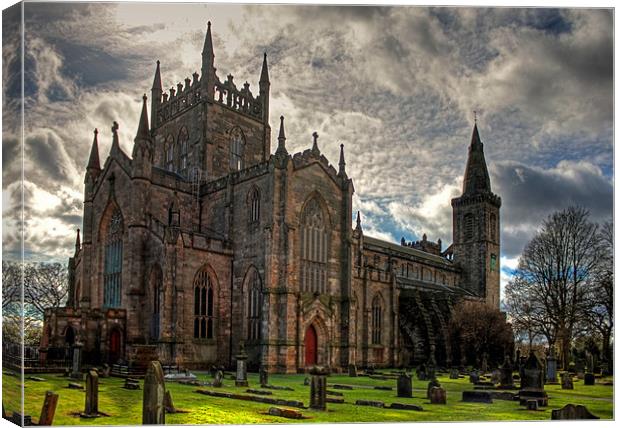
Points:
[475,227]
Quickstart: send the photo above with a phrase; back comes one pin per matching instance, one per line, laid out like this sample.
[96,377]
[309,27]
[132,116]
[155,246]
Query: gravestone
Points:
[242,370]
[474,377]
[352,370]
[434,383]
[168,403]
[47,411]
[403,385]
[571,411]
[153,412]
[588,379]
[318,387]
[421,372]
[306,381]
[567,381]
[431,366]
[76,367]
[91,405]
[484,363]
[285,413]
[263,376]
[217,379]
[454,373]
[580,368]
[532,404]
[505,374]
[495,376]
[532,384]
[438,395]
[477,397]
[552,367]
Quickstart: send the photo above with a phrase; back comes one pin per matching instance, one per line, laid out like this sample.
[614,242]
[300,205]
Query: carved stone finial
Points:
[95,132]
[114,127]
[358,222]
[315,144]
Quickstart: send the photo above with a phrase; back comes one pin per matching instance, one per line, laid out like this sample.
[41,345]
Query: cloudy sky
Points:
[396,85]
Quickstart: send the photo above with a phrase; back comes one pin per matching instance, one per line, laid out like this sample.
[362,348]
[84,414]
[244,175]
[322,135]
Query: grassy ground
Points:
[124,407]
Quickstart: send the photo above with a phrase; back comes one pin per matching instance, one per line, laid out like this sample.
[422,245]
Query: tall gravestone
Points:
[567,380]
[76,366]
[218,378]
[263,376]
[404,386]
[552,367]
[484,365]
[532,383]
[505,375]
[318,387]
[352,370]
[241,378]
[91,405]
[153,411]
[47,411]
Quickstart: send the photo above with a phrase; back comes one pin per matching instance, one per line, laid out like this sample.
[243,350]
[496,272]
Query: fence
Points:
[33,360]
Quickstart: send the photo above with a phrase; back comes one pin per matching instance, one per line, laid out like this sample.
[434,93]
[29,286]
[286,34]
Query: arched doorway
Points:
[114,346]
[311,345]
[69,336]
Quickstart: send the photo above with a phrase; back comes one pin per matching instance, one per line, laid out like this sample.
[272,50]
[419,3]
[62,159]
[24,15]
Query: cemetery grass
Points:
[124,407]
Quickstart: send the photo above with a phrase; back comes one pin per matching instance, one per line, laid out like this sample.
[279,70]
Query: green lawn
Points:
[124,407]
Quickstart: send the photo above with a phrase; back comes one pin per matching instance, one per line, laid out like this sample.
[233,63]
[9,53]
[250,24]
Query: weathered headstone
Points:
[484,363]
[552,367]
[454,373]
[421,372]
[588,379]
[76,366]
[495,377]
[567,381]
[505,374]
[438,395]
[532,404]
[306,381]
[571,411]
[318,387]
[285,413]
[263,376]
[91,405]
[168,403]
[532,384]
[242,369]
[403,385]
[474,377]
[217,379]
[106,370]
[153,412]
[352,370]
[434,383]
[477,397]
[47,411]
[431,365]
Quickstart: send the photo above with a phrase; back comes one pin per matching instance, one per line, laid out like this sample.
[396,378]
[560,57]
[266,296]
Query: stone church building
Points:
[203,239]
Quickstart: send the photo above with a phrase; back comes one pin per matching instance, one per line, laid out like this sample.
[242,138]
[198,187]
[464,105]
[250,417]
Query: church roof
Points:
[397,248]
[476,173]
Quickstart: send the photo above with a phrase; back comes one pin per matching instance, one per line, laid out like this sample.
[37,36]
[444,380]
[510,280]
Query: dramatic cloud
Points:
[395,85]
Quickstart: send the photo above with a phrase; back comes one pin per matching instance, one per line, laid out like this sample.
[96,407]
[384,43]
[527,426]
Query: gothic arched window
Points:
[113,261]
[493,227]
[183,141]
[377,312]
[169,147]
[254,306]
[314,248]
[237,144]
[254,201]
[204,313]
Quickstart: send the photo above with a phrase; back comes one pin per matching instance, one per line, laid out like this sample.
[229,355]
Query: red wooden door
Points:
[115,346]
[311,346]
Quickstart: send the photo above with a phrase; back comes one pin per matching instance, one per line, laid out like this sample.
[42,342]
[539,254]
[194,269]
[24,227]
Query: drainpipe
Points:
[230,336]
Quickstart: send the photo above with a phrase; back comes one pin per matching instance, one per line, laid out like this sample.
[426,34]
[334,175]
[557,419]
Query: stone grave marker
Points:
[567,381]
[505,375]
[454,373]
[76,366]
[474,377]
[438,395]
[153,412]
[532,404]
[47,411]
[285,413]
[404,386]
[434,383]
[532,384]
[403,406]
[477,397]
[168,403]
[91,404]
[588,379]
[263,376]
[306,381]
[242,369]
[571,411]
[552,367]
[106,370]
[484,363]
[217,379]
[421,372]
[371,403]
[495,377]
[352,370]
[318,387]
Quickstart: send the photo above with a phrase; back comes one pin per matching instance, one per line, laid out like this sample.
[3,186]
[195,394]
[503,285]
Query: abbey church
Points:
[205,238]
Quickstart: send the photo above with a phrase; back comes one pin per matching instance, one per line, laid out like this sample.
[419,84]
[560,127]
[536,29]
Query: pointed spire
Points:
[476,174]
[358,222]
[208,45]
[315,144]
[143,126]
[93,160]
[341,163]
[281,139]
[77,241]
[115,144]
[157,79]
[264,74]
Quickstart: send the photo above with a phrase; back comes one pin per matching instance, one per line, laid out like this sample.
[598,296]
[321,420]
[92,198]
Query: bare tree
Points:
[11,283]
[554,273]
[45,286]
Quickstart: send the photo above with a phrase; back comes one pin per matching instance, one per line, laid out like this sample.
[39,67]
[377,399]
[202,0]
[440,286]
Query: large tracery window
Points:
[376,320]
[254,309]
[169,145]
[314,248]
[183,142]
[113,261]
[204,317]
[236,150]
